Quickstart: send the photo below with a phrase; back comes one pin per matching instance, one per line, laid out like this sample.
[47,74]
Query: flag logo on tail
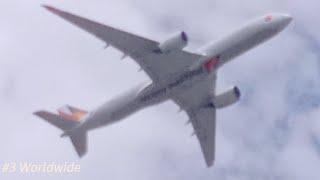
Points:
[71,113]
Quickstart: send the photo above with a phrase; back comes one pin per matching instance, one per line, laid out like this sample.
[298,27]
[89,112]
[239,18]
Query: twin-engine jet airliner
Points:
[184,77]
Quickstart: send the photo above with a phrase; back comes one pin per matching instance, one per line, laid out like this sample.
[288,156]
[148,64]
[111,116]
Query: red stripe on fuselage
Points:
[211,63]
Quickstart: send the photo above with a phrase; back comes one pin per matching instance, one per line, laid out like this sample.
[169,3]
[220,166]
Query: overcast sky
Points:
[273,132]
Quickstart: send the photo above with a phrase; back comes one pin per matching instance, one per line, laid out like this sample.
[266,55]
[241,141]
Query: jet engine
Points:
[174,43]
[227,98]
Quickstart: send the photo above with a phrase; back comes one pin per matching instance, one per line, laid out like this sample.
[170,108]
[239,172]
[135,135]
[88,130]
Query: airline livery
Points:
[184,77]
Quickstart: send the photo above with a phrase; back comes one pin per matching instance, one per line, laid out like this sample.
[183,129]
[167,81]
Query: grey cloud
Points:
[272,133]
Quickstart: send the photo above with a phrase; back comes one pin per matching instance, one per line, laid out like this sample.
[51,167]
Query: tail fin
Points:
[68,118]
[71,113]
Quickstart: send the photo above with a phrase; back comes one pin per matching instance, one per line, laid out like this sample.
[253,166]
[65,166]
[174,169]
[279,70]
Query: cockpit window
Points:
[268,18]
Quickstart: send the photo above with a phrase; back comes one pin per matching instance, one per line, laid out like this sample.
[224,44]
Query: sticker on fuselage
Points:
[268,18]
[211,63]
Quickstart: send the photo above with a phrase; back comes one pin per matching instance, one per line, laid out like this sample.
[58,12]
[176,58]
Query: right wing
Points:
[142,50]
[196,102]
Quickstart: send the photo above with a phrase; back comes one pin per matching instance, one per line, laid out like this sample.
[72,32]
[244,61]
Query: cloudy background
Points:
[272,133]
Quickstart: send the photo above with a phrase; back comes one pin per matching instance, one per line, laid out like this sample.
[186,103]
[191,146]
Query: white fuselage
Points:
[225,49]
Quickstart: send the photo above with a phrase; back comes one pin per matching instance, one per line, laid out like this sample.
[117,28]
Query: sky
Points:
[273,132]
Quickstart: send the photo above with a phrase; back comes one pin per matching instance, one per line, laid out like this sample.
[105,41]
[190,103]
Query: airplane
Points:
[186,78]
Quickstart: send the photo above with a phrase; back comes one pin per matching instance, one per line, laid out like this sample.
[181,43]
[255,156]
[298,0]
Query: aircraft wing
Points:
[142,50]
[202,117]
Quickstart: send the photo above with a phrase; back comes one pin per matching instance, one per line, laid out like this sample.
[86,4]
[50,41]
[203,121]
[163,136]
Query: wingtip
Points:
[209,163]
[37,113]
[49,8]
[41,113]
[81,155]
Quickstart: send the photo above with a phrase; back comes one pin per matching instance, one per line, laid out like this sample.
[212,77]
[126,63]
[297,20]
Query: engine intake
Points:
[227,98]
[174,43]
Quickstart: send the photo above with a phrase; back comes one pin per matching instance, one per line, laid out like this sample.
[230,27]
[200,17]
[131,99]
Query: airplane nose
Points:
[286,19]
[278,21]
[281,21]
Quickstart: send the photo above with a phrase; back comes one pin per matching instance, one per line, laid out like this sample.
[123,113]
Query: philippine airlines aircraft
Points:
[186,78]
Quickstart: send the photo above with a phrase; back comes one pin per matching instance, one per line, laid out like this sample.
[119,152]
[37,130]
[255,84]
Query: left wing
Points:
[195,102]
[142,50]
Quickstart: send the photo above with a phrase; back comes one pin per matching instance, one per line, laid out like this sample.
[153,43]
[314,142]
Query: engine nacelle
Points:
[227,98]
[176,42]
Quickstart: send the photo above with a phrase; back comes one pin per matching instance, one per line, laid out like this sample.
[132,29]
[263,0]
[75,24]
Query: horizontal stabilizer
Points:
[67,119]
[79,142]
[56,120]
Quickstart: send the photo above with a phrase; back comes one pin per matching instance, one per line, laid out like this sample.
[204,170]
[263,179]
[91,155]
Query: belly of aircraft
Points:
[158,94]
[137,99]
